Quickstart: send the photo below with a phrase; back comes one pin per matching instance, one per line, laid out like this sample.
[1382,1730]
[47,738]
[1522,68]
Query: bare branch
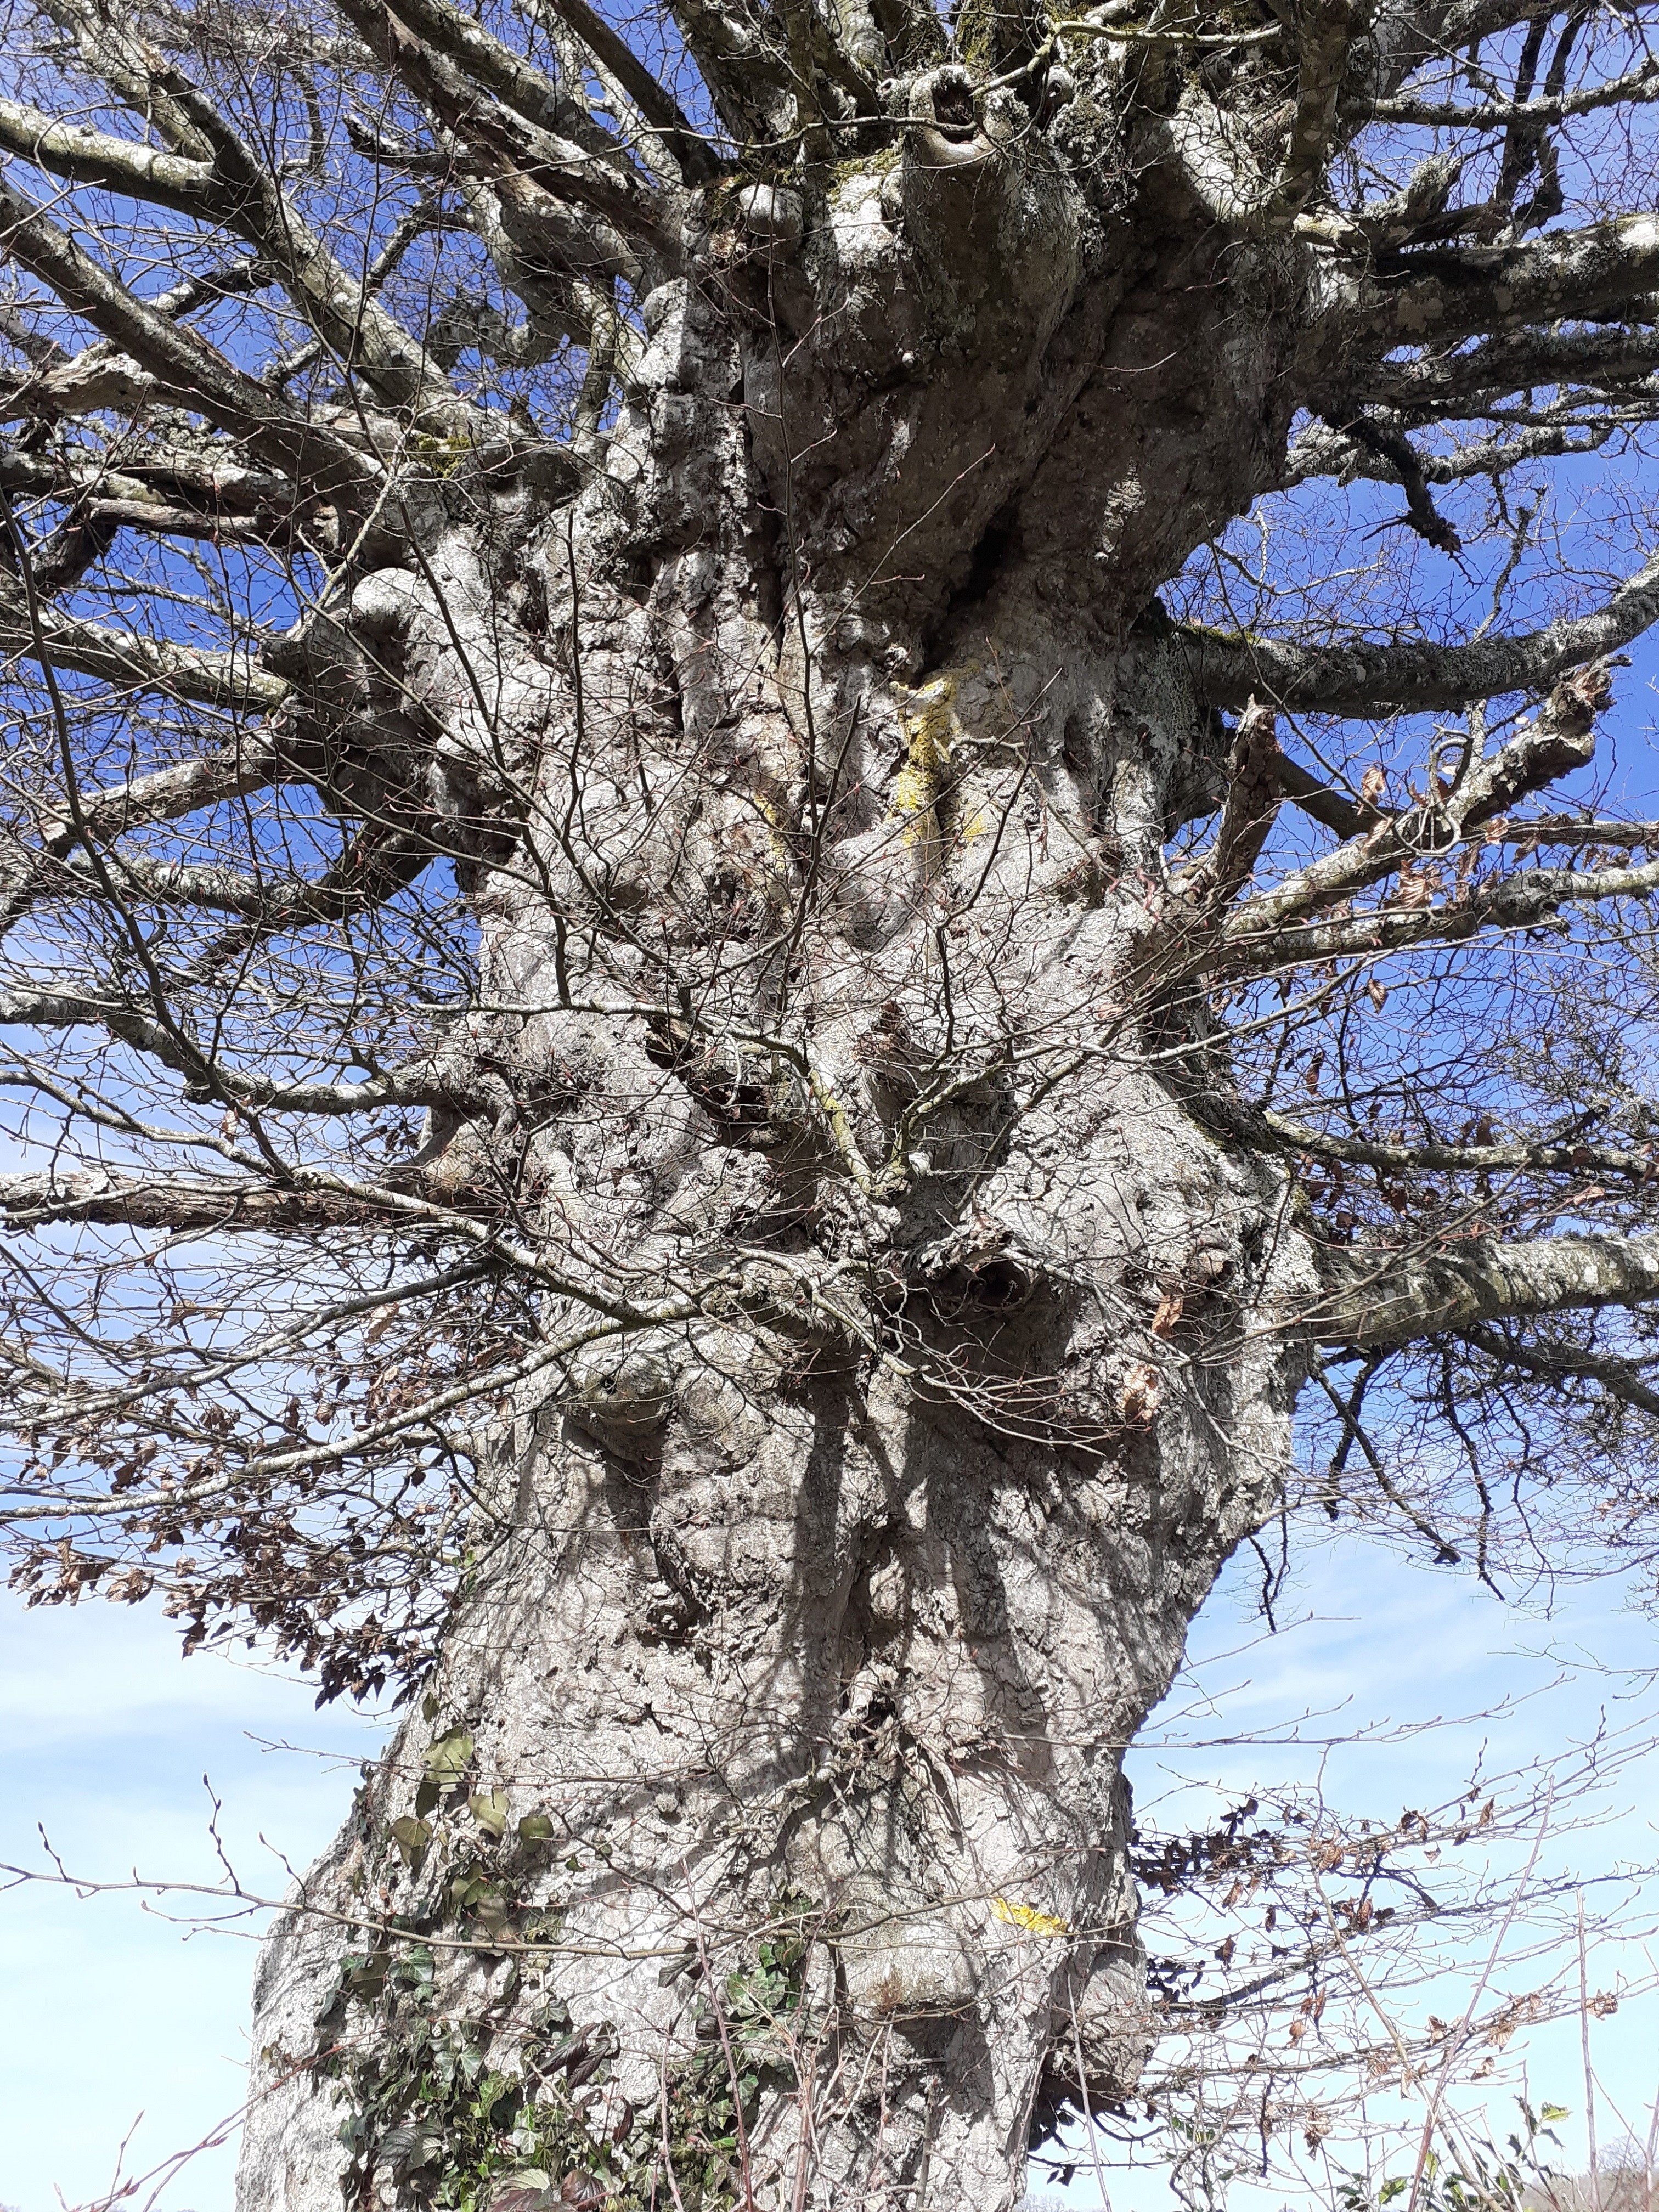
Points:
[186,369]
[1252,801]
[740,59]
[1441,295]
[1377,1299]
[233,190]
[166,795]
[1529,900]
[1460,385]
[1324,450]
[1562,1363]
[1528,1157]
[1372,680]
[88,157]
[234,681]
[521,151]
[1388,445]
[1558,739]
[1324,31]
[171,1207]
[656,106]
[1636,86]
[1348,817]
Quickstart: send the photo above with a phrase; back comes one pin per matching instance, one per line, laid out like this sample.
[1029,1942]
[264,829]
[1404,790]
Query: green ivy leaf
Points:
[490,1914]
[416,1966]
[489,1808]
[411,1837]
[535,1828]
[448,1757]
[366,1977]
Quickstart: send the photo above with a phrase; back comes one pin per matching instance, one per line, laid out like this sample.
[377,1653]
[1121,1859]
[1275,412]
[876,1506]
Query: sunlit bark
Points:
[906,1307]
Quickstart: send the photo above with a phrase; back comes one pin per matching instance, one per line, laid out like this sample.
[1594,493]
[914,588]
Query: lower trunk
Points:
[765,1837]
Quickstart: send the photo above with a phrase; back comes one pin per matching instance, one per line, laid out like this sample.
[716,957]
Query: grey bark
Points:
[911,1345]
[845,1606]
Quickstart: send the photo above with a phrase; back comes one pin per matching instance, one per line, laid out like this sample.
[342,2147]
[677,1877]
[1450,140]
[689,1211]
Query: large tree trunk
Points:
[824,1045]
[780,1736]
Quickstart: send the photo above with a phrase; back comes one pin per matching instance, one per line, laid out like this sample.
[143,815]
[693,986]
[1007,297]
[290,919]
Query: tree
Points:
[692,1079]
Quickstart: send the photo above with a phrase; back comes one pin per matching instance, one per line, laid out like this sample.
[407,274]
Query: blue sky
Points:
[107,2010]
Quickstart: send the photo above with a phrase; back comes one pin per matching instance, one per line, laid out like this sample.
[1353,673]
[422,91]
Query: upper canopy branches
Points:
[574,163]
[548,157]
[376,185]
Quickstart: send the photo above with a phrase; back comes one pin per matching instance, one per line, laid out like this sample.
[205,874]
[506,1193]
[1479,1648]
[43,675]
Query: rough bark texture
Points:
[916,1313]
[849,1620]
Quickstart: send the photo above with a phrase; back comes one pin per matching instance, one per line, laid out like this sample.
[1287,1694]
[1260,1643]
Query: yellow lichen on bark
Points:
[928,789]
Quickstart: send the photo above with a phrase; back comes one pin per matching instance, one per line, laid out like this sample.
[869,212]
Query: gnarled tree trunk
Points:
[817,1613]
[832,1075]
